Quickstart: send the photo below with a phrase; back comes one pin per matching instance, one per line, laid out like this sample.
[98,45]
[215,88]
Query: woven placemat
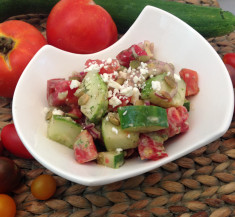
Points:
[200,184]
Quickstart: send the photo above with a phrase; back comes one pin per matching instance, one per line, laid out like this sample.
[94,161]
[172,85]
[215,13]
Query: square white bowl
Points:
[175,42]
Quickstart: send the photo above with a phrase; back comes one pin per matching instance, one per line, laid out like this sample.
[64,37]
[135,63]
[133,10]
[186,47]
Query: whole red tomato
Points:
[12,142]
[229,59]
[10,175]
[19,41]
[80,26]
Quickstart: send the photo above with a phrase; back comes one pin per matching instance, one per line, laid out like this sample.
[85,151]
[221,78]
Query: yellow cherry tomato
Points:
[43,187]
[7,206]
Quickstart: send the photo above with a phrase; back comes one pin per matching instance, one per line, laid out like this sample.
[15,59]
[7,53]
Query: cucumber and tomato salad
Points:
[121,107]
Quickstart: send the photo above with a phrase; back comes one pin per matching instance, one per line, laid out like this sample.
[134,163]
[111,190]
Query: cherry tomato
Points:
[150,149]
[9,175]
[229,59]
[81,27]
[43,187]
[1,148]
[231,71]
[12,142]
[7,206]
[19,41]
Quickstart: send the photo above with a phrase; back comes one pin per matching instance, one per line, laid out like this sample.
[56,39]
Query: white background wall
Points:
[227,5]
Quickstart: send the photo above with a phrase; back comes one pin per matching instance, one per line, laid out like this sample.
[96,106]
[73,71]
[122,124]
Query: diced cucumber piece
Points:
[142,118]
[158,136]
[187,104]
[148,93]
[115,137]
[63,130]
[97,105]
[113,159]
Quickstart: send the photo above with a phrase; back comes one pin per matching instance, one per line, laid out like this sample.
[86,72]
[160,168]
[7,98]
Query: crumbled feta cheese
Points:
[156,85]
[177,77]
[114,84]
[127,91]
[105,77]
[154,119]
[144,71]
[135,96]
[136,79]
[129,70]
[124,113]
[115,130]
[110,93]
[109,60]
[115,73]
[129,136]
[119,150]
[93,67]
[114,101]
[143,65]
[57,112]
[74,84]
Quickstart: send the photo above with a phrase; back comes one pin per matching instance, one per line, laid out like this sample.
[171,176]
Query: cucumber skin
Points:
[10,8]
[208,21]
[116,159]
[137,116]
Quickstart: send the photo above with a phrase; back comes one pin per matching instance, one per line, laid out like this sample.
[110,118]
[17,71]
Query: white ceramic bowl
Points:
[175,42]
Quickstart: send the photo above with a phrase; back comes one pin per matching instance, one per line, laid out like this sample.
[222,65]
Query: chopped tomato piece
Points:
[93,62]
[84,148]
[75,112]
[191,79]
[150,149]
[124,100]
[125,56]
[59,93]
[108,66]
[177,120]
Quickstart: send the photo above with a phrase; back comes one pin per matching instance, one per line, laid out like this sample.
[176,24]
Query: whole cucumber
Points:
[10,8]
[208,21]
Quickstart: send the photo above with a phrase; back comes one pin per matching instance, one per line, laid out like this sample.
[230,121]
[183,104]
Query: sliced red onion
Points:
[146,102]
[89,126]
[161,96]
[94,133]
